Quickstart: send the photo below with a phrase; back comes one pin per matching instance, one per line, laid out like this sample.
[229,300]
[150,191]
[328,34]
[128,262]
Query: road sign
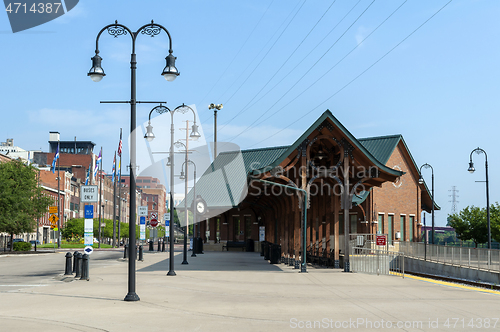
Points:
[142,211]
[89,194]
[167,223]
[142,220]
[89,212]
[154,219]
[52,209]
[88,250]
[380,240]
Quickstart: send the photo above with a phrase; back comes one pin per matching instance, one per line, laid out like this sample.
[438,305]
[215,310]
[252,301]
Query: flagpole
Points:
[114,201]
[120,190]
[58,199]
[100,200]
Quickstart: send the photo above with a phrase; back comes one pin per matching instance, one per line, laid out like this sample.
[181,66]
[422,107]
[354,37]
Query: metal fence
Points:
[474,258]
[377,261]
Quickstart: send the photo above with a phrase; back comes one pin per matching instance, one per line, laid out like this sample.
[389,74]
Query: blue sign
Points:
[167,223]
[142,220]
[89,211]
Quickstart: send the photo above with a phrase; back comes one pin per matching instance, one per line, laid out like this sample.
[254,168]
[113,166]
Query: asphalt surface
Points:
[230,291]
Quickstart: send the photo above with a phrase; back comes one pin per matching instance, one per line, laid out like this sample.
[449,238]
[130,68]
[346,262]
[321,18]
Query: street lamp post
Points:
[96,73]
[184,177]
[215,108]
[421,181]
[471,170]
[149,136]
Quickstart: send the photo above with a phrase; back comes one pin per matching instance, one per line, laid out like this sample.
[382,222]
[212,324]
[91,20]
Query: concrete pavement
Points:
[226,291]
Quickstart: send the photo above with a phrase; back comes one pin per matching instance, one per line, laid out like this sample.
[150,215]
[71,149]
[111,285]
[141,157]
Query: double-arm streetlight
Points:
[96,73]
[421,181]
[184,177]
[471,170]
[149,137]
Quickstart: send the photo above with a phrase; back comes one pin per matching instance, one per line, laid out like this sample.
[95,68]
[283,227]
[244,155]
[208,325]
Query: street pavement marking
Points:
[445,283]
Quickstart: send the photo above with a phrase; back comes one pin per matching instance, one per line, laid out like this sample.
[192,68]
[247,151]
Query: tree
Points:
[22,201]
[471,224]
[495,221]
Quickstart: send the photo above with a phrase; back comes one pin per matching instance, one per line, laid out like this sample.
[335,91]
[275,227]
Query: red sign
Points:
[154,219]
[380,240]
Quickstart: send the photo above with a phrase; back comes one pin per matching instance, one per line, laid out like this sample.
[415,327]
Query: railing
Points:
[473,258]
[377,261]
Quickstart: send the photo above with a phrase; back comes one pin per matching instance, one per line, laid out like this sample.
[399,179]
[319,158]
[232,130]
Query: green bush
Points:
[22,246]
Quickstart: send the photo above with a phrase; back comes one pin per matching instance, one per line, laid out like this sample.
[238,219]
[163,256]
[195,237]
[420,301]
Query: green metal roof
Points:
[328,115]
[224,183]
[381,147]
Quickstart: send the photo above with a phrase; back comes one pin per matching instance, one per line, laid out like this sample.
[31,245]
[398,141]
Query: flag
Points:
[113,171]
[120,144]
[56,156]
[88,174]
[97,162]
[119,170]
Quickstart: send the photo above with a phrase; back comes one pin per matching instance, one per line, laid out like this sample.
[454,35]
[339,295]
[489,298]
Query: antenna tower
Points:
[454,201]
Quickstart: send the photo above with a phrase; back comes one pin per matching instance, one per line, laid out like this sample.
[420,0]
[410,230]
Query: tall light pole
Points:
[215,108]
[471,170]
[421,181]
[149,136]
[96,73]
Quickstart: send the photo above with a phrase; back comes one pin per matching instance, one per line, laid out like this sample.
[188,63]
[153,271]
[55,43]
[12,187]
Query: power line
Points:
[237,53]
[373,64]
[317,61]
[276,72]
[265,55]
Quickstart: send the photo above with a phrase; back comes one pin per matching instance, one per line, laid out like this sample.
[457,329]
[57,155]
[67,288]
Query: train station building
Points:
[355,186]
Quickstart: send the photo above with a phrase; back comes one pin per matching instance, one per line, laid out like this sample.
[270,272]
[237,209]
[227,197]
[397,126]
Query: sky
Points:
[426,69]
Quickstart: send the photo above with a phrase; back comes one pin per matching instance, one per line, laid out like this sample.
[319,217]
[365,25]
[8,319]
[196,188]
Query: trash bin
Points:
[267,250]
[275,255]
[250,245]
[199,245]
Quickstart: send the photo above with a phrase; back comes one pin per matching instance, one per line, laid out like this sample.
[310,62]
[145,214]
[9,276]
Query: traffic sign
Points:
[142,210]
[89,212]
[88,250]
[89,194]
[52,209]
[154,219]
[142,220]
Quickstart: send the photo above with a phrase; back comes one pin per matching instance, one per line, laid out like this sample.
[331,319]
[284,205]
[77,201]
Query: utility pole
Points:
[215,108]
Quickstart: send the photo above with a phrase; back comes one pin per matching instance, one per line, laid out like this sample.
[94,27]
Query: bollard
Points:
[159,246]
[74,261]
[297,264]
[68,272]
[141,258]
[125,251]
[163,246]
[78,265]
[85,267]
[151,245]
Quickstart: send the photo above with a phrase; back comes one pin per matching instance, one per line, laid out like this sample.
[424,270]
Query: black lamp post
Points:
[215,107]
[471,170]
[149,137]
[184,177]
[421,181]
[96,73]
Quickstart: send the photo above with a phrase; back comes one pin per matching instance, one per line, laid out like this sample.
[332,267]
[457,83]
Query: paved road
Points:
[231,291]
[39,270]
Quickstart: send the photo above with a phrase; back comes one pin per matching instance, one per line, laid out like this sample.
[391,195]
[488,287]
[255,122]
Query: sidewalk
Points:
[227,291]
